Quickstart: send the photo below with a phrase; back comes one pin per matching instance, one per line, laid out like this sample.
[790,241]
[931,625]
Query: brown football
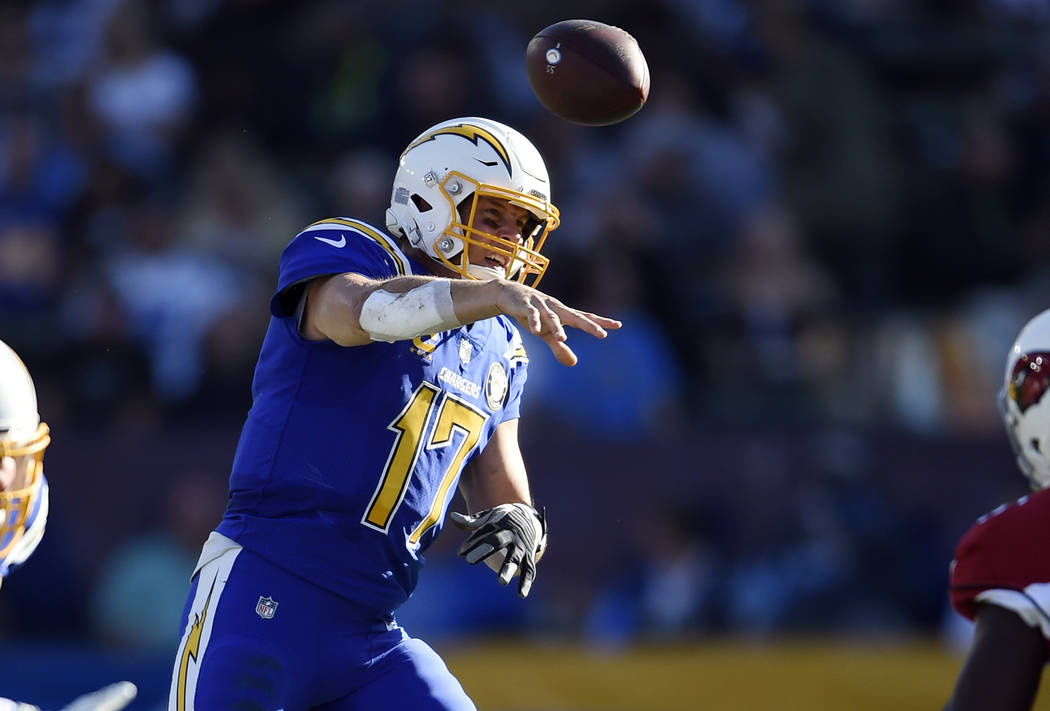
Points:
[587,72]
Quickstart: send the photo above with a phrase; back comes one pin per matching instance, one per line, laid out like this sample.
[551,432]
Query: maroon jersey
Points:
[1004,560]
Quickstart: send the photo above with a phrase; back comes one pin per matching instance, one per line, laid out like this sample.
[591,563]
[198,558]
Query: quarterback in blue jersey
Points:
[24,501]
[391,375]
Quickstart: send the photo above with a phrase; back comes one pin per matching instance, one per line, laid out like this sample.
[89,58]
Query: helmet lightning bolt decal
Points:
[470,132]
[193,641]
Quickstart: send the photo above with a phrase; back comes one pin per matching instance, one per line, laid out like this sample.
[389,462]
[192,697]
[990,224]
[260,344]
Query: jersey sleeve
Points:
[334,246]
[518,359]
[999,561]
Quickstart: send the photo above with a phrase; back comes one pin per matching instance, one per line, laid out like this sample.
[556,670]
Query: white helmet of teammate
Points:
[23,438]
[1024,402]
[441,176]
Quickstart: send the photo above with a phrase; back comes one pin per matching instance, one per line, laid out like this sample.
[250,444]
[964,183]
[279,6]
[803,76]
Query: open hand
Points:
[547,317]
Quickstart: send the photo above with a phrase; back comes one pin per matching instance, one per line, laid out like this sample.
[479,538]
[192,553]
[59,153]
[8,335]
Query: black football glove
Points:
[518,531]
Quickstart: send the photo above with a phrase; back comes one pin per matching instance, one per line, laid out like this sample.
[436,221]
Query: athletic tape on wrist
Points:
[427,309]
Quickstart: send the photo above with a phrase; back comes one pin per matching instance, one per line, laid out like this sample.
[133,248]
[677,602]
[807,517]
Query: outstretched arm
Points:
[1004,666]
[353,310]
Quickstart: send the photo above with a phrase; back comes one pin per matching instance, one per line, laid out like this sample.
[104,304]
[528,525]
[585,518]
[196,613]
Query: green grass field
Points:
[716,676]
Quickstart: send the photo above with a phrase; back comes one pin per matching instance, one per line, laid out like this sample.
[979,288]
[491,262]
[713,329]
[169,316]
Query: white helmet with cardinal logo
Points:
[1024,402]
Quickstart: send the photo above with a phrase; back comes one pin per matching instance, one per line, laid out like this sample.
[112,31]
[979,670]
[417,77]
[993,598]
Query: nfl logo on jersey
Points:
[266,607]
[466,350]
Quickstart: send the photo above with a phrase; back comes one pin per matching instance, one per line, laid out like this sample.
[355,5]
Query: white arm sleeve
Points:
[427,309]
[1031,604]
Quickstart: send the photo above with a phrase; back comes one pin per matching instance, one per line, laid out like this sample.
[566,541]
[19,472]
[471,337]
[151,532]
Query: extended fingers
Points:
[543,320]
[561,351]
[577,319]
[603,321]
[547,317]
[510,567]
[528,574]
[479,552]
[587,322]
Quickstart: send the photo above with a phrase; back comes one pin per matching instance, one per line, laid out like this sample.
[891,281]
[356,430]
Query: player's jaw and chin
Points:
[485,263]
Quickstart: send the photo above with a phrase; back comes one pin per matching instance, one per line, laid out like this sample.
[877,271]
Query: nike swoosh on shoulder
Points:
[340,243]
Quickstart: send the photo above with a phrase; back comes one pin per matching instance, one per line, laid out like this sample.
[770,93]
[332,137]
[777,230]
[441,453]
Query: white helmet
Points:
[22,435]
[470,158]
[1025,410]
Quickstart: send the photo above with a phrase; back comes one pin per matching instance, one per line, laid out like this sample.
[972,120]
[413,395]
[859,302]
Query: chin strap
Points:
[483,273]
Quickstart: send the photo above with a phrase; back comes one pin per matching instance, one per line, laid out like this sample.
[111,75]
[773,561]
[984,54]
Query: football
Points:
[587,72]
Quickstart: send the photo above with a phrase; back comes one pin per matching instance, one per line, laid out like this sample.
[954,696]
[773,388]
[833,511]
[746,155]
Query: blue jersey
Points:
[350,456]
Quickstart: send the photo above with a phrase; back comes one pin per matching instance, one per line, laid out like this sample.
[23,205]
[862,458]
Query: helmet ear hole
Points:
[420,202]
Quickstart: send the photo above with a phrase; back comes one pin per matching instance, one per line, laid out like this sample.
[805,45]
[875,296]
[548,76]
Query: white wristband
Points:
[427,309]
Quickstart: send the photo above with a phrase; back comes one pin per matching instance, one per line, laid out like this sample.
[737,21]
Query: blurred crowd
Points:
[830,215]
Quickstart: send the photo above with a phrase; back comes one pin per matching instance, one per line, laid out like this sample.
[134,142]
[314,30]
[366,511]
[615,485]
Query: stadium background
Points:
[822,234]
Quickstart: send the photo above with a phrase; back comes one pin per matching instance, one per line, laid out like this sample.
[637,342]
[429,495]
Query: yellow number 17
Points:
[411,425]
